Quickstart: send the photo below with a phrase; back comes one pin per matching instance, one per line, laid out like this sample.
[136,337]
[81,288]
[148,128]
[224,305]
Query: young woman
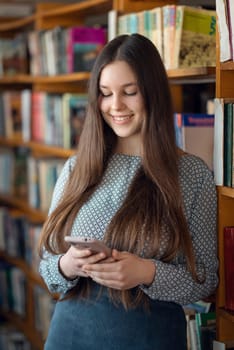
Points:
[154,205]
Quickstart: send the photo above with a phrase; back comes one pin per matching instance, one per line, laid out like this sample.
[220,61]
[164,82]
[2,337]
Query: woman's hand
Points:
[124,271]
[71,263]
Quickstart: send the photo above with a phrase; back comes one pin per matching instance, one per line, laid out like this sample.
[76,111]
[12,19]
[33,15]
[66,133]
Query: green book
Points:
[228,144]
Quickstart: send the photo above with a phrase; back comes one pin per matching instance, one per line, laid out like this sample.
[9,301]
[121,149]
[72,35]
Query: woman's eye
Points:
[105,94]
[131,93]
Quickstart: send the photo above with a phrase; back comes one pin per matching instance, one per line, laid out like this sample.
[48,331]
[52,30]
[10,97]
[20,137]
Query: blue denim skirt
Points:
[98,324]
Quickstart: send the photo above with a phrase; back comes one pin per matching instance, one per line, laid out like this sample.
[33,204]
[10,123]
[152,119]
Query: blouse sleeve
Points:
[48,267]
[173,282]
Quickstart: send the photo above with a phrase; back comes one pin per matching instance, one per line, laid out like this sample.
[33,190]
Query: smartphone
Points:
[95,245]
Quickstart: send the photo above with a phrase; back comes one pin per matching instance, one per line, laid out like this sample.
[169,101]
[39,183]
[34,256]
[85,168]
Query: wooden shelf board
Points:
[226,191]
[197,73]
[16,79]
[50,150]
[83,8]
[22,265]
[227,65]
[33,215]
[38,148]
[73,77]
[29,79]
[11,142]
[17,23]
[229,315]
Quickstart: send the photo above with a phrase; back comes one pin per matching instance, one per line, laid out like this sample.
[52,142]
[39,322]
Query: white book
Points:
[193,335]
[218,142]
[225,49]
[26,114]
[230,10]
[217,345]
[112,24]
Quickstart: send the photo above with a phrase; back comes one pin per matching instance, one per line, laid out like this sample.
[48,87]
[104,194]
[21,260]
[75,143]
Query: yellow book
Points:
[195,44]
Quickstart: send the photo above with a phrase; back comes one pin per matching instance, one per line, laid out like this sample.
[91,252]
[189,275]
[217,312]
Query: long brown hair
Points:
[154,198]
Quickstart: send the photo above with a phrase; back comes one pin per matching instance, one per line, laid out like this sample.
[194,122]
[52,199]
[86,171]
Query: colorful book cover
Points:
[196,41]
[74,111]
[82,35]
[195,134]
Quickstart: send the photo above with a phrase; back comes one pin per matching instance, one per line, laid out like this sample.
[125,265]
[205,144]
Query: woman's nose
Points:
[117,102]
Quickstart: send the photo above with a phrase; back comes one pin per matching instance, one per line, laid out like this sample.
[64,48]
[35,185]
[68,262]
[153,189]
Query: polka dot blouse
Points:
[172,281]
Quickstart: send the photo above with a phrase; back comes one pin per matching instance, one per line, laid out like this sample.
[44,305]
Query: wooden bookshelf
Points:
[33,215]
[225,318]
[48,16]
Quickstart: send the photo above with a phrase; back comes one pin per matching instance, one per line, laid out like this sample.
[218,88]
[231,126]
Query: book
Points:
[169,24]
[156,28]
[20,172]
[35,54]
[230,12]
[53,120]
[228,144]
[2,118]
[33,182]
[200,306]
[26,98]
[7,165]
[74,111]
[48,171]
[14,56]
[112,24]
[50,52]
[38,116]
[217,345]
[191,127]
[206,328]
[195,38]
[228,240]
[193,334]
[83,35]
[224,35]
[218,141]
[12,114]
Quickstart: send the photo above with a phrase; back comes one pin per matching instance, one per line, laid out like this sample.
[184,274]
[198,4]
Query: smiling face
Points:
[122,105]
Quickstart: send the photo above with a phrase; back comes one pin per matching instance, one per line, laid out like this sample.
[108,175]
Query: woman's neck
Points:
[124,146]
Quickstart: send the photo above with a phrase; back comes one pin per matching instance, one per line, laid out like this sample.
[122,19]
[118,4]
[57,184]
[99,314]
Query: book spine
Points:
[229,266]
[228,144]
[230,13]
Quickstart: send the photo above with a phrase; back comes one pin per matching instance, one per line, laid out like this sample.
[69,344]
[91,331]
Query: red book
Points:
[38,116]
[229,266]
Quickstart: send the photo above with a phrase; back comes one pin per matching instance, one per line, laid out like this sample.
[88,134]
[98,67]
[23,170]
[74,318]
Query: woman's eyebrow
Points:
[124,85]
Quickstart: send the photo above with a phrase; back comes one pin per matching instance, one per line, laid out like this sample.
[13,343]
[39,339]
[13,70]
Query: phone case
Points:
[93,244]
